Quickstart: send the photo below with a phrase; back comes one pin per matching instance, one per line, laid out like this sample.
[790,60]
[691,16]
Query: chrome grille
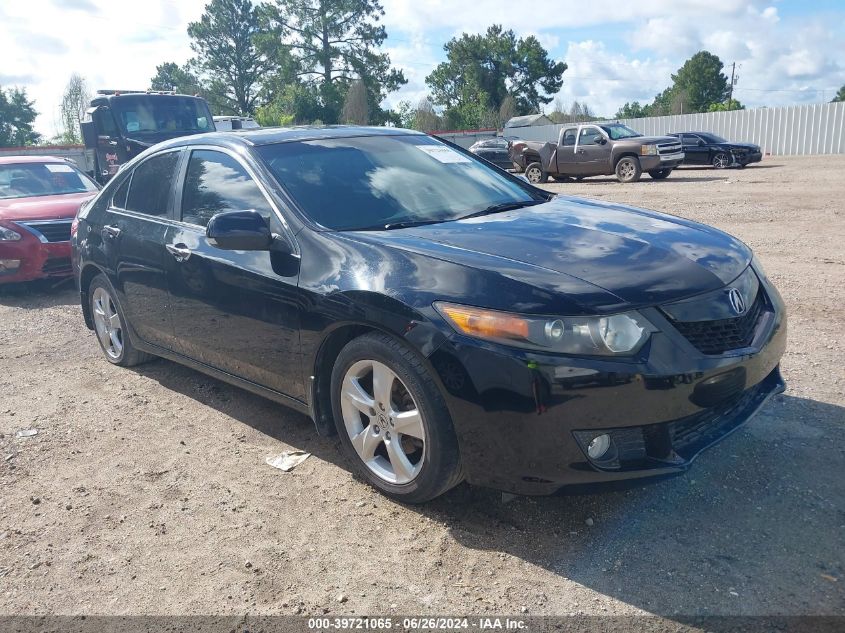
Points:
[50,230]
[669,148]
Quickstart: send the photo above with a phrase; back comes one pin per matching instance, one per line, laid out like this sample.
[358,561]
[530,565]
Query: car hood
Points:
[640,257]
[43,207]
[750,146]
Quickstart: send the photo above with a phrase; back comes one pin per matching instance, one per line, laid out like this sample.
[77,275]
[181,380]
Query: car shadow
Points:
[43,293]
[645,180]
[757,526]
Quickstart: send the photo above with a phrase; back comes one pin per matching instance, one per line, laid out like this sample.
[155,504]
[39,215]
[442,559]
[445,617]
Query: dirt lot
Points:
[146,491]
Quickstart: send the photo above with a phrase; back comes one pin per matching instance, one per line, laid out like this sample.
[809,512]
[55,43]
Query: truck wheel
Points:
[535,174]
[721,160]
[659,174]
[628,169]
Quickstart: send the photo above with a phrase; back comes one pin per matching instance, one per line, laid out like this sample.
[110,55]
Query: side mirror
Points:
[239,231]
[601,140]
[89,134]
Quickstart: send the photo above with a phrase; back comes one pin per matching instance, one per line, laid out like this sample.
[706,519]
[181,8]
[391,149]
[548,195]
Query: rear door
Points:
[133,236]
[235,311]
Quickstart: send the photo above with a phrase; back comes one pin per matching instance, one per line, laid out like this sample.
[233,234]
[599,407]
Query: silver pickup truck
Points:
[598,149]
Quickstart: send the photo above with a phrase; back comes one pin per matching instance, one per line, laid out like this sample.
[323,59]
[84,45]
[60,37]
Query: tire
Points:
[431,463]
[110,325]
[659,174]
[721,160]
[628,169]
[535,174]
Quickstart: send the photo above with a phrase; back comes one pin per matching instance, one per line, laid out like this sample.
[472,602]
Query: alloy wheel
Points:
[721,161]
[107,323]
[383,422]
[534,176]
[626,170]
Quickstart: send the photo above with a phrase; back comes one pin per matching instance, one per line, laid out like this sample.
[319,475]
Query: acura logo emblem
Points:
[737,302]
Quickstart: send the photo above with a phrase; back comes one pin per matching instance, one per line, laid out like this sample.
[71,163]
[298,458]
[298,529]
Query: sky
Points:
[786,51]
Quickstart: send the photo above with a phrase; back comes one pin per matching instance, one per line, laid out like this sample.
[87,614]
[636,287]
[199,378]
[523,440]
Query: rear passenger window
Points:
[118,201]
[215,183]
[152,182]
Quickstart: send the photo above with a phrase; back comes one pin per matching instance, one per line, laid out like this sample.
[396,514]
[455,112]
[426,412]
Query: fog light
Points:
[9,265]
[598,446]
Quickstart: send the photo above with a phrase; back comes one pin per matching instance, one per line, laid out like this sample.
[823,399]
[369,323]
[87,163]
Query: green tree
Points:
[482,70]
[840,96]
[229,57]
[697,85]
[331,43]
[730,104]
[355,107]
[75,102]
[17,117]
[633,110]
[180,79]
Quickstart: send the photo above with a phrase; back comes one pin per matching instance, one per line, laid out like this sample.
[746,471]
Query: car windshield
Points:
[617,131]
[151,114]
[371,182]
[25,180]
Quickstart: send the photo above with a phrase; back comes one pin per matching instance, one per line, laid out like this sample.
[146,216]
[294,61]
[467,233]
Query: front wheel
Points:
[393,421]
[628,169]
[659,174]
[535,174]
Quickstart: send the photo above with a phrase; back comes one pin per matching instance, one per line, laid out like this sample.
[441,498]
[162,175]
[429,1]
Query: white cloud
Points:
[112,45]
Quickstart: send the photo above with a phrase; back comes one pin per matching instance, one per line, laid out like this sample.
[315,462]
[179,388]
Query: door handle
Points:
[110,231]
[581,151]
[179,251]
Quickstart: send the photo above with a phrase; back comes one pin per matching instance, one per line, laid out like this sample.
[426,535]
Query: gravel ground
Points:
[145,490]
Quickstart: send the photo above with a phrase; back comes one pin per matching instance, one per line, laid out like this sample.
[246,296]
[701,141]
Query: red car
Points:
[39,198]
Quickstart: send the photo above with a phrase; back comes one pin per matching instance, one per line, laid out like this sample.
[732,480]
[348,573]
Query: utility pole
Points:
[731,96]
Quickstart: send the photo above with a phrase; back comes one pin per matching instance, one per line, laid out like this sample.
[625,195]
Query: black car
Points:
[451,321]
[704,148]
[494,150]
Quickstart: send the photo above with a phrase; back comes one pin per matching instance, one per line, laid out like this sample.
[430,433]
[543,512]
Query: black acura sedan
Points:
[450,321]
[704,148]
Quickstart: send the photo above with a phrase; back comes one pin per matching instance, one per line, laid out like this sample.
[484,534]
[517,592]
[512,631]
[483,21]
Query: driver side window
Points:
[216,182]
[589,135]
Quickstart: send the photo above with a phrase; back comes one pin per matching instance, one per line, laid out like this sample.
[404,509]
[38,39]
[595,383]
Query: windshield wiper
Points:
[502,206]
[406,224]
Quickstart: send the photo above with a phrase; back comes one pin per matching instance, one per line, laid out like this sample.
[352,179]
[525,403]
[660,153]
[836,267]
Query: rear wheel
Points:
[535,174]
[110,325]
[721,160]
[659,174]
[628,169]
[393,421]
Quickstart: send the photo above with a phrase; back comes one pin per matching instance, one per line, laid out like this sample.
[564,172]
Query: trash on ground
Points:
[288,460]
[26,433]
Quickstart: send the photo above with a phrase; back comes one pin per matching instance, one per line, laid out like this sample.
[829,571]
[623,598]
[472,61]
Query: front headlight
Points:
[613,335]
[648,150]
[8,235]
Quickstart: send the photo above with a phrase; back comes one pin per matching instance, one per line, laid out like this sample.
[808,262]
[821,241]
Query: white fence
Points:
[76,153]
[810,129]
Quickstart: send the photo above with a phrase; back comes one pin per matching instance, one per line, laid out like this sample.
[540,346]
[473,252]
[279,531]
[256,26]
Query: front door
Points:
[567,160]
[594,151]
[696,151]
[133,233]
[111,152]
[236,311]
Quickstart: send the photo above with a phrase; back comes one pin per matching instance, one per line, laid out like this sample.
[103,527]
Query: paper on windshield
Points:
[444,154]
[58,168]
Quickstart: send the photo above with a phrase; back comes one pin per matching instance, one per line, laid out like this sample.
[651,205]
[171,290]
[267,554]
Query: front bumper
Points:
[36,260]
[523,420]
[661,161]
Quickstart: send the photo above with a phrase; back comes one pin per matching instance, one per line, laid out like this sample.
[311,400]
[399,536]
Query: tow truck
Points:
[120,124]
